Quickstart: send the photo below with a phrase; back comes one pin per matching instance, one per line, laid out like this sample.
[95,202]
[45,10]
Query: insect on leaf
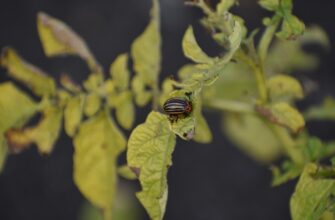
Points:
[58,39]
[31,76]
[97,147]
[149,150]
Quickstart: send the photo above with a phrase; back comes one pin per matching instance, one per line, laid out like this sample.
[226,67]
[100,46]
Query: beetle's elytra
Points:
[177,107]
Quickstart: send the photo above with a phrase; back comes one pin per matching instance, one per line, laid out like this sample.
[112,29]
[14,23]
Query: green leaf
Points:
[97,147]
[288,172]
[73,114]
[203,133]
[92,104]
[236,83]
[126,172]
[142,97]
[271,5]
[146,50]
[93,82]
[58,39]
[119,72]
[44,134]
[309,201]
[289,56]
[125,111]
[292,28]
[3,152]
[242,129]
[283,114]
[284,88]
[325,111]
[150,148]
[224,5]
[16,108]
[192,50]
[313,149]
[29,75]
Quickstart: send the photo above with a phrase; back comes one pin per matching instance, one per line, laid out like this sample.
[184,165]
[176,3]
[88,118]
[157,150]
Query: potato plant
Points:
[249,83]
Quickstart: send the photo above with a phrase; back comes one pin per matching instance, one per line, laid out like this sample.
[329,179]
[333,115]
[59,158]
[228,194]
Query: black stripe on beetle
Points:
[177,107]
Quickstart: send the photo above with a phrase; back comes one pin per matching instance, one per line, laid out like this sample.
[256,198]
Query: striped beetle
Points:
[178,107]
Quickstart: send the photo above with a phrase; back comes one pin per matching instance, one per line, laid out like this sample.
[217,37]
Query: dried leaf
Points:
[44,134]
[59,39]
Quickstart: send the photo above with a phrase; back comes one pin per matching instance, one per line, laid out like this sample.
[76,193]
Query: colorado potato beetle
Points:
[177,107]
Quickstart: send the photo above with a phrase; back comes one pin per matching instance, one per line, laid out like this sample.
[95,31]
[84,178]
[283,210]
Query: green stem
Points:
[258,72]
[228,105]
[266,39]
[288,144]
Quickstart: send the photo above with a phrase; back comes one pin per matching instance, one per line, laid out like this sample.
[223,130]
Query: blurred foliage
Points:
[249,84]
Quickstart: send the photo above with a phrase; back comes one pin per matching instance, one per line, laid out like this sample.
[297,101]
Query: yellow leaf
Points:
[242,130]
[92,104]
[192,50]
[146,49]
[44,134]
[125,112]
[203,133]
[58,39]
[284,88]
[73,114]
[142,97]
[16,108]
[93,82]
[150,149]
[119,72]
[97,147]
[283,114]
[31,76]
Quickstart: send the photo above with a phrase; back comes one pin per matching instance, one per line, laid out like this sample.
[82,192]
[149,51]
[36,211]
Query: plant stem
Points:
[288,144]
[258,72]
[266,39]
[227,105]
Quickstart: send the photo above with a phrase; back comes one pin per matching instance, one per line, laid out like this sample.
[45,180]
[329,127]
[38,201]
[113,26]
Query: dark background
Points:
[206,182]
